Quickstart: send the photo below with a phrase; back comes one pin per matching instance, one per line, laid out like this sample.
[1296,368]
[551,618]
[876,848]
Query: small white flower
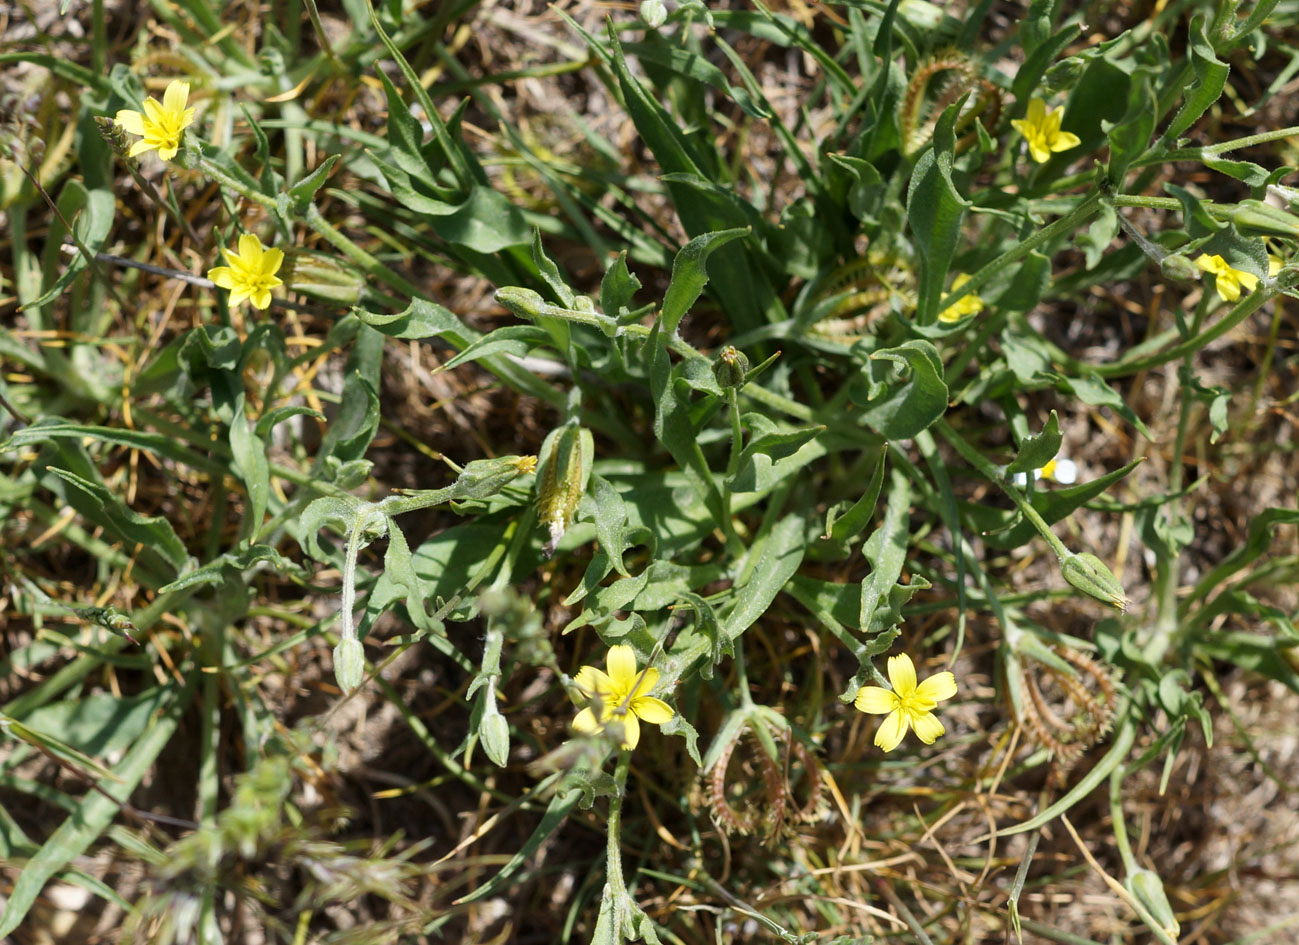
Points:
[1063,471]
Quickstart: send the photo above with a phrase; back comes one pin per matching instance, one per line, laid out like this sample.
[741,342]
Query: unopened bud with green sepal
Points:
[730,367]
[495,735]
[1090,575]
[349,663]
[564,473]
[322,277]
[1146,887]
[1179,269]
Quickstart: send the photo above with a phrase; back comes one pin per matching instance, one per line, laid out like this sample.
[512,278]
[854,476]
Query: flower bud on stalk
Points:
[730,367]
[566,457]
[1090,575]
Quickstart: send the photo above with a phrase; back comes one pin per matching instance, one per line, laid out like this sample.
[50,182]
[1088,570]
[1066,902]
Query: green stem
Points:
[1130,864]
[1080,214]
[1246,307]
[994,475]
[1170,572]
[613,855]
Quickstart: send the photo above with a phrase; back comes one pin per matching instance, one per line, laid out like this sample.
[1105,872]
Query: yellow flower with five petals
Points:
[1226,280]
[620,695]
[907,704]
[160,124]
[1041,129]
[251,273]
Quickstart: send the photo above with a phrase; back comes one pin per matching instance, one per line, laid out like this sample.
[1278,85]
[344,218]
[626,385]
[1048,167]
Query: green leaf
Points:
[692,66]
[304,191]
[422,319]
[903,411]
[1210,75]
[510,339]
[935,210]
[609,513]
[882,596]
[249,454]
[1036,451]
[690,274]
[1028,285]
[1053,505]
[399,569]
[152,531]
[778,555]
[215,572]
[485,222]
[335,511]
[1257,541]
[842,529]
[1091,389]
[560,806]
[550,272]
[618,287]
[92,215]
[96,811]
[216,348]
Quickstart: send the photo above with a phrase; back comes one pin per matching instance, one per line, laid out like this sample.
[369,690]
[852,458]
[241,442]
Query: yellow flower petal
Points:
[167,153]
[630,731]
[153,113]
[937,687]
[586,722]
[654,711]
[1247,279]
[927,726]
[1036,113]
[889,735]
[175,97]
[250,250]
[648,679]
[222,276]
[875,700]
[139,148]
[271,260]
[1065,140]
[129,121]
[1214,264]
[1228,288]
[593,682]
[902,674]
[622,667]
[261,298]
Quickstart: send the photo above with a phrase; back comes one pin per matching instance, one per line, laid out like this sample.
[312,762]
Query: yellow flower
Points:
[251,273]
[620,694]
[159,125]
[969,305]
[1226,280]
[1274,265]
[1041,129]
[908,705]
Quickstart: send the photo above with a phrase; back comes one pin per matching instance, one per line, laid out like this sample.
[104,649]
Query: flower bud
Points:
[1178,269]
[486,477]
[730,367]
[1146,887]
[495,735]
[566,458]
[654,13]
[321,276]
[1063,75]
[1090,575]
[349,663]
